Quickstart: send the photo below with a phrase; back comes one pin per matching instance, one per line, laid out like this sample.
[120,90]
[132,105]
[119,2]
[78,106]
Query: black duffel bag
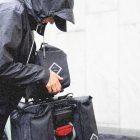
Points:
[65,118]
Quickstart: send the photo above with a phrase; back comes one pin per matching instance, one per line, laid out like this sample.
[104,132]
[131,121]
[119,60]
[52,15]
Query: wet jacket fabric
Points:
[17,19]
[15,44]
[16,38]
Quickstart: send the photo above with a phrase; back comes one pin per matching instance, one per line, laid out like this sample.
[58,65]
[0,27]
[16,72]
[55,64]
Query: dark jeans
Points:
[7,104]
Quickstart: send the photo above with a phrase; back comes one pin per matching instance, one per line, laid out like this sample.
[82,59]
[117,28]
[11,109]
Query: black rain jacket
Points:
[17,19]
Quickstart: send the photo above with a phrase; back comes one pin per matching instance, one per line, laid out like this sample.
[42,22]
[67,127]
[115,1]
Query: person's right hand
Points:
[54,85]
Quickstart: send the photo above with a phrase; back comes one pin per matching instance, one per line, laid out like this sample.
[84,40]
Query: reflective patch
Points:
[55,68]
[94,137]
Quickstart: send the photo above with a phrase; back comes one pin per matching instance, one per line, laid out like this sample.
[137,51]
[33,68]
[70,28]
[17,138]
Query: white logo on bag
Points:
[55,68]
[94,137]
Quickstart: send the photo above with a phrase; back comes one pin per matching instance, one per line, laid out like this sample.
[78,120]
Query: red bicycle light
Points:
[64,130]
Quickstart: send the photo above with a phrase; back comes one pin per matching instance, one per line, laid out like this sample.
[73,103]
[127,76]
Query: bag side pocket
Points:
[42,126]
[84,119]
[88,121]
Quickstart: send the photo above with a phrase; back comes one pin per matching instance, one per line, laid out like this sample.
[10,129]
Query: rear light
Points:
[64,130]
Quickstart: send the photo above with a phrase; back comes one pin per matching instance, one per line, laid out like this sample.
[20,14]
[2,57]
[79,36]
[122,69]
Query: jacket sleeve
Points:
[11,71]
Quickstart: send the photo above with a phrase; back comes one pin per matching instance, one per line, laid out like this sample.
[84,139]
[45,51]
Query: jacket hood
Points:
[60,10]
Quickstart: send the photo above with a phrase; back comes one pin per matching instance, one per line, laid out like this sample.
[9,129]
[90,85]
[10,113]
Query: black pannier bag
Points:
[52,59]
[65,118]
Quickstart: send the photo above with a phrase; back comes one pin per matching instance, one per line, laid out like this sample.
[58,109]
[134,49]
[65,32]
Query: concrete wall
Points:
[104,52]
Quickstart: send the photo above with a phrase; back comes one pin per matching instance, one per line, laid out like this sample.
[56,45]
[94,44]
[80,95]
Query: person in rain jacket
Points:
[17,19]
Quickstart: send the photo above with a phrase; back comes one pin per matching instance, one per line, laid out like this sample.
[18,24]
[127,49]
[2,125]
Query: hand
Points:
[54,85]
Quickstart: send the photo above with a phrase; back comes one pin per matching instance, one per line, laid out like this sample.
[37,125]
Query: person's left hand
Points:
[48,20]
[54,85]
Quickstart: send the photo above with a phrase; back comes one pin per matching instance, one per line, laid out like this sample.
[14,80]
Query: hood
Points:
[60,10]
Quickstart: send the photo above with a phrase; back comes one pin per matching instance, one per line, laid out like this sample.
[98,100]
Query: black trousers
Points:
[8,102]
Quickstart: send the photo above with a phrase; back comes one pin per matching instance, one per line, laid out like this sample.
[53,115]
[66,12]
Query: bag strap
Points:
[40,28]
[43,47]
[29,56]
[65,96]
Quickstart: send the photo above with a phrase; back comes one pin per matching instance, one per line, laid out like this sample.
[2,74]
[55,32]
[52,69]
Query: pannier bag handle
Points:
[29,56]
[65,96]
